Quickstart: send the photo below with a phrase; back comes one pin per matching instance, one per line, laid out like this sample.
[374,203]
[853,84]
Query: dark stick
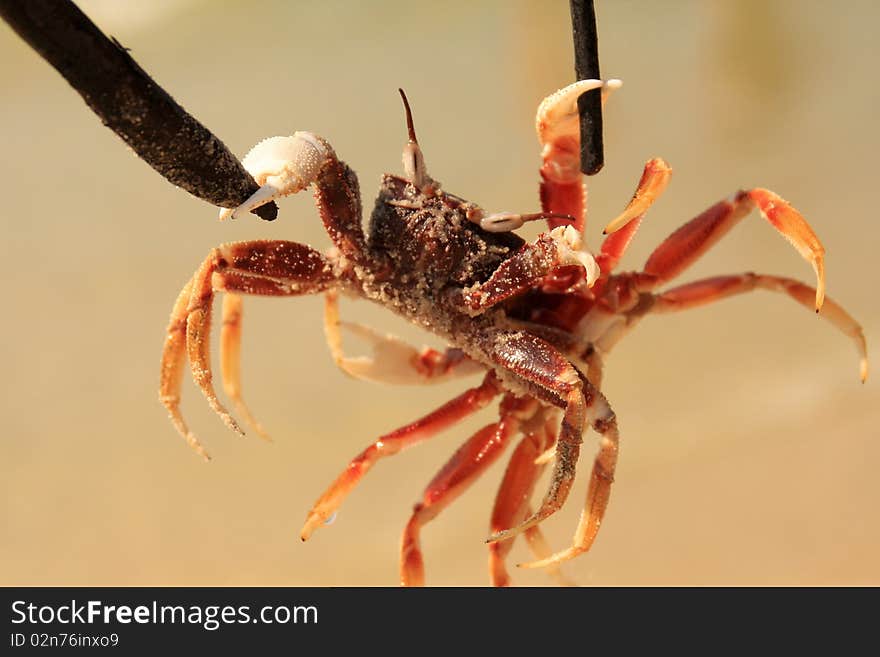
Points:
[130,103]
[586,66]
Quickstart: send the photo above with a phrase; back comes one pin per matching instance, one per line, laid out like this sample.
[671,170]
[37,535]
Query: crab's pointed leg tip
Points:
[498,536]
[623,219]
[863,369]
[232,424]
[819,269]
[196,446]
[553,559]
[613,225]
[313,521]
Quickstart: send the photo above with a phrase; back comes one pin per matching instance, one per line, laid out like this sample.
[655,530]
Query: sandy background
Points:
[749,451]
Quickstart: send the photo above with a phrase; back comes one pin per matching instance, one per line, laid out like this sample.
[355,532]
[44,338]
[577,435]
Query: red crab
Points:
[537,319]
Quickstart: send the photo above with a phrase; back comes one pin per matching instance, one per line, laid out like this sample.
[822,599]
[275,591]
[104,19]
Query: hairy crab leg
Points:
[230,360]
[470,460]
[590,363]
[693,239]
[450,413]
[198,330]
[558,127]
[173,365]
[654,180]
[393,360]
[720,287]
[512,503]
[598,493]
[337,196]
[268,268]
[550,376]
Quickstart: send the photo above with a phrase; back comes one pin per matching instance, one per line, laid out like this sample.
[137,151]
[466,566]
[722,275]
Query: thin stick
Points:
[130,103]
[586,66]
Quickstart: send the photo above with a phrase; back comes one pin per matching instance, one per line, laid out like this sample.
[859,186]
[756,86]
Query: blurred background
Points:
[749,449]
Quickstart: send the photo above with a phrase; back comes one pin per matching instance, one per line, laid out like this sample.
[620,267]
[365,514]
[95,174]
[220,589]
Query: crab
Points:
[536,319]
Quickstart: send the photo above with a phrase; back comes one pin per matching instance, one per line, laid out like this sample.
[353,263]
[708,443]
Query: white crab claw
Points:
[570,251]
[558,113]
[391,361]
[282,166]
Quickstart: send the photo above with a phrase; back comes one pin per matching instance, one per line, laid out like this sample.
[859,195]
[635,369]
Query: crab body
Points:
[537,319]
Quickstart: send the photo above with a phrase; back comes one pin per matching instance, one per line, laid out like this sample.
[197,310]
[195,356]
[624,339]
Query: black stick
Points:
[130,103]
[586,66]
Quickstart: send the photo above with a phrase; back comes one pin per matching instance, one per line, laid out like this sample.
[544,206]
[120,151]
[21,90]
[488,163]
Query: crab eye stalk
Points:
[502,222]
[413,160]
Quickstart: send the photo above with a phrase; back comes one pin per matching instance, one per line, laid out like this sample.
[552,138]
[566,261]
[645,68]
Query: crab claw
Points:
[282,166]
[558,113]
[558,127]
[570,251]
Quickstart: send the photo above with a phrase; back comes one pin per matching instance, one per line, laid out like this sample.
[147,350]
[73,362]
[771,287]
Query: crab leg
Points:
[557,124]
[598,494]
[590,363]
[230,359]
[472,459]
[541,549]
[690,296]
[621,230]
[393,361]
[426,427]
[171,375]
[198,327]
[681,249]
[714,289]
[269,268]
[552,378]
[512,503]
[337,196]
